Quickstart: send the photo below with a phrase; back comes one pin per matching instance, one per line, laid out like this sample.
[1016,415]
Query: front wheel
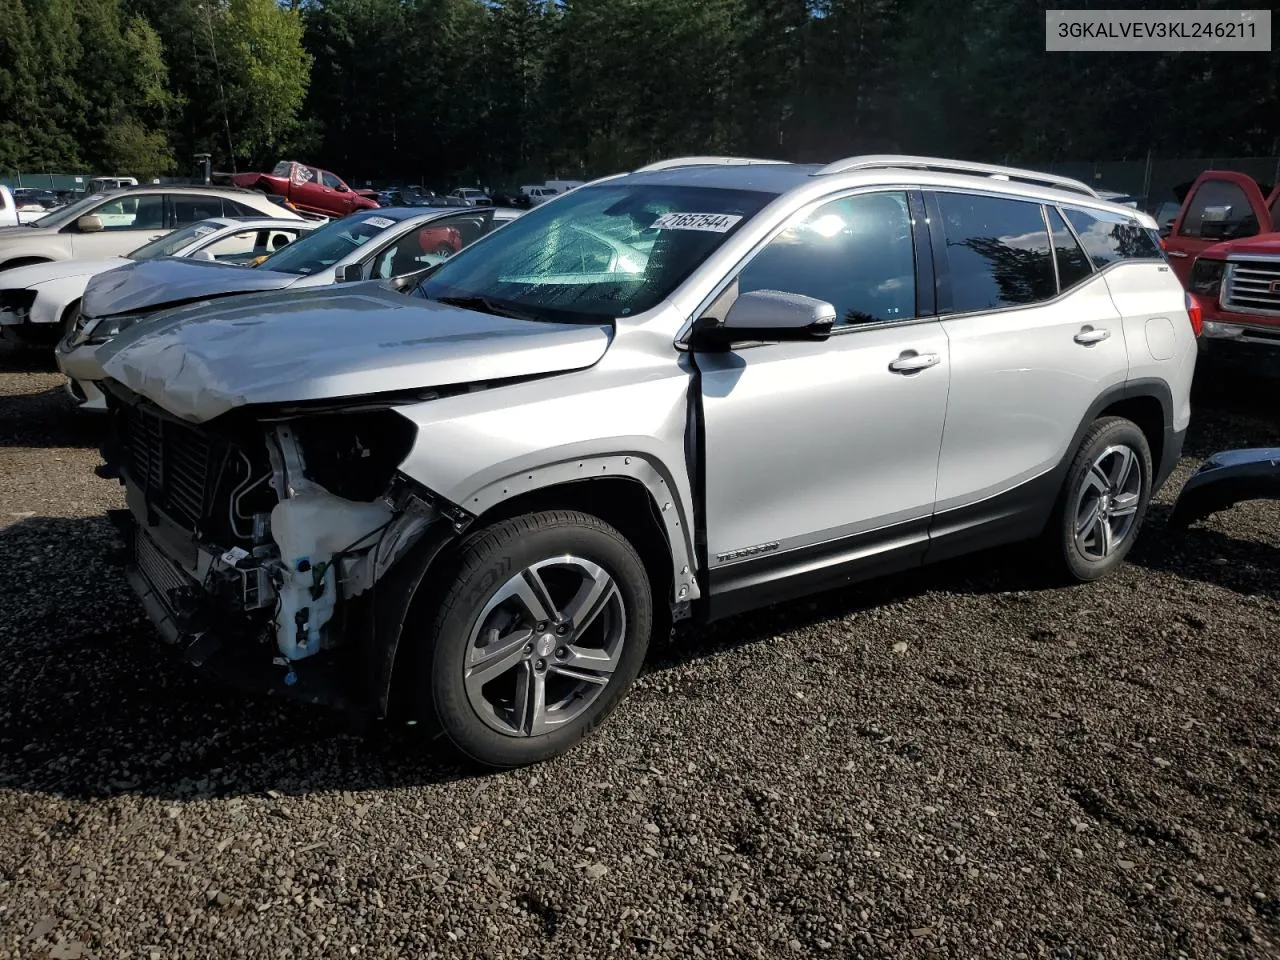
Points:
[539,636]
[1103,501]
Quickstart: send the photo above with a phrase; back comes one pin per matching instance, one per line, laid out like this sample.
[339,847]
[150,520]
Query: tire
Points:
[1083,546]
[483,701]
[69,317]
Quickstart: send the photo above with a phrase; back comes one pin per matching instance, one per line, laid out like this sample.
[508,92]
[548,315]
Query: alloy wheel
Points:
[1106,507]
[545,646]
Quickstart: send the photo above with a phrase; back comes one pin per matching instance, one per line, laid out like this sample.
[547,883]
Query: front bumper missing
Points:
[210,633]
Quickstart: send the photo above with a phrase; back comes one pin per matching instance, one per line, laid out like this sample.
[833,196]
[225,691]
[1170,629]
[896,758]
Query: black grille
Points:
[171,462]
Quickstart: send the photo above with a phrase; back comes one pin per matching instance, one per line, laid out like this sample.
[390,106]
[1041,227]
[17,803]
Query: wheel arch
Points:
[16,262]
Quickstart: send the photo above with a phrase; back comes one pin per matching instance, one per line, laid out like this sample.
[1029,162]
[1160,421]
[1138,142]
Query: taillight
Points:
[1196,313]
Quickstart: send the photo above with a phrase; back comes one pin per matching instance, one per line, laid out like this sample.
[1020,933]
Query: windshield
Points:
[605,251]
[171,243]
[70,212]
[326,245]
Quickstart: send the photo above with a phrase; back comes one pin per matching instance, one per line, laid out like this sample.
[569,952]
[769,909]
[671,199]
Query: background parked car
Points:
[39,303]
[374,245]
[309,188]
[111,224]
[472,195]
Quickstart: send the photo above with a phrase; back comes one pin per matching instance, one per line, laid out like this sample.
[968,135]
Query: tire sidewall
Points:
[464,728]
[1108,433]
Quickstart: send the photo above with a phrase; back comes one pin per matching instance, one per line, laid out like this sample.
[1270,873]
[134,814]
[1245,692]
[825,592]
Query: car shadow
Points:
[48,419]
[1199,552]
[96,705]
[21,359]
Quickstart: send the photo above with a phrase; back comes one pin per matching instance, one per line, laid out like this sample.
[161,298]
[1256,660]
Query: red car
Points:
[1225,248]
[308,188]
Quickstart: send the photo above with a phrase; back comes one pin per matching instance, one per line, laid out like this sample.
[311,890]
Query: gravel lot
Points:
[952,764]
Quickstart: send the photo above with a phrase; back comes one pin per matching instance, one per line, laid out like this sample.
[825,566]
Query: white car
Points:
[112,224]
[39,303]
[384,244]
[472,195]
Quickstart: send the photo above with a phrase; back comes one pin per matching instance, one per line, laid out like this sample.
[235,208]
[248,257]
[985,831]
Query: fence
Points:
[1156,178]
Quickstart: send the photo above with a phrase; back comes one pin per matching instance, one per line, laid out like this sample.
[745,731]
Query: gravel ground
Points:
[951,764]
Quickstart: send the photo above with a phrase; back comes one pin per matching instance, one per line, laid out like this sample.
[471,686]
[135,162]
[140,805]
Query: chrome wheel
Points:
[1106,507]
[545,646]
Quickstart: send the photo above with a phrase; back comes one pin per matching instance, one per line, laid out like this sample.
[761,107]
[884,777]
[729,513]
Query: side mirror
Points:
[89,223]
[202,255]
[341,188]
[769,315]
[349,272]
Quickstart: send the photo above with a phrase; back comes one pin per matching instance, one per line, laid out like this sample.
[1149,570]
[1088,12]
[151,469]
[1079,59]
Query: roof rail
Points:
[886,160]
[702,162]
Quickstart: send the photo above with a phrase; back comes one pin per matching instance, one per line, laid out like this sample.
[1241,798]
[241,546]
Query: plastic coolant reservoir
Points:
[309,529]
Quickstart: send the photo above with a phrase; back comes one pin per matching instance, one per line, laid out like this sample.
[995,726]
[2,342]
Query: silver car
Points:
[476,505]
[380,244]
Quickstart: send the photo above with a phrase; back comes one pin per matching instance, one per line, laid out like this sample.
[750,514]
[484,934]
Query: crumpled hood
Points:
[19,278]
[325,343]
[1262,243]
[151,284]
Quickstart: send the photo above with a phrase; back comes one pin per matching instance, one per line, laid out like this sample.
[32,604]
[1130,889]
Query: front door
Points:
[821,458]
[1234,194]
[129,220]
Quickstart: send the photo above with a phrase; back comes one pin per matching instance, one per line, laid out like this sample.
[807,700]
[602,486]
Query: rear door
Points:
[821,458]
[1034,339]
[1222,205]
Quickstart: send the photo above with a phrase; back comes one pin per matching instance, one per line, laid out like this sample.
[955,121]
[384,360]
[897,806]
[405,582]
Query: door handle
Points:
[912,362]
[1176,253]
[1089,336]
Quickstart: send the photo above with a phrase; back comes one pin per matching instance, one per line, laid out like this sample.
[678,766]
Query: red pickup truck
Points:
[1225,248]
[308,188]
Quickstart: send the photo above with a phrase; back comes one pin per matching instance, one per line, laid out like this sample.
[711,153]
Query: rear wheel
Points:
[540,634]
[1103,502]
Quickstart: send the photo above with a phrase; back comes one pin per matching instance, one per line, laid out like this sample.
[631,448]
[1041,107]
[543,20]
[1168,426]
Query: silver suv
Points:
[684,392]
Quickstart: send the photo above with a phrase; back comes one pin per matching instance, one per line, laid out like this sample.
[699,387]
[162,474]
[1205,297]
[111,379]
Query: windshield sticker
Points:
[710,222]
[380,222]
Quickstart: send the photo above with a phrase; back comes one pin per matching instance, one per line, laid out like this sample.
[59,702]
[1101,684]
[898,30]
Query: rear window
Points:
[998,252]
[1111,237]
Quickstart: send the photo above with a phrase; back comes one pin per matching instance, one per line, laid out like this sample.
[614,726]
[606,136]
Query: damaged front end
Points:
[257,543]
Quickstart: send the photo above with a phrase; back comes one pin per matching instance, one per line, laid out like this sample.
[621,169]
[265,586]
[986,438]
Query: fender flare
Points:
[640,467]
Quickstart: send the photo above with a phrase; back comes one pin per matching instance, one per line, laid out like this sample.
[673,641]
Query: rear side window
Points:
[855,253]
[998,252]
[1073,265]
[1108,237]
[1219,210]
[192,208]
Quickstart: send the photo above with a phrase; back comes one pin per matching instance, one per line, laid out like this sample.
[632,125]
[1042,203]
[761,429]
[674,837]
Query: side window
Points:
[1108,237]
[231,208]
[144,212]
[240,244]
[421,247]
[1219,210]
[855,253]
[1073,265]
[997,250]
[192,208]
[329,180]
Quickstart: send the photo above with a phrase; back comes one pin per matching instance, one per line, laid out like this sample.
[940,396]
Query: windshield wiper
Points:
[483,305]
